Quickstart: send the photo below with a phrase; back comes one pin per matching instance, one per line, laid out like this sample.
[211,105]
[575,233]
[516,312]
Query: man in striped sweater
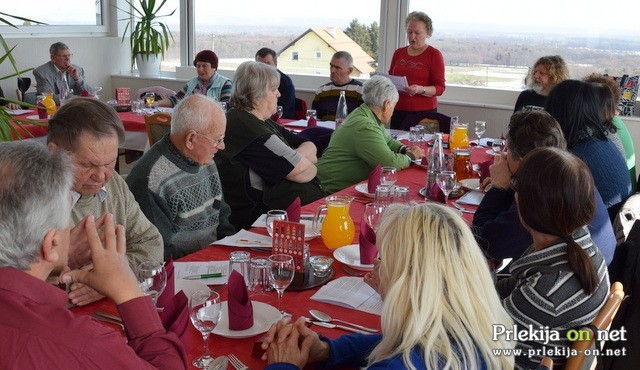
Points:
[177,183]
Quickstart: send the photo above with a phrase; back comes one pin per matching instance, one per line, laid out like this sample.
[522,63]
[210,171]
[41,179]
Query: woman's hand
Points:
[373,278]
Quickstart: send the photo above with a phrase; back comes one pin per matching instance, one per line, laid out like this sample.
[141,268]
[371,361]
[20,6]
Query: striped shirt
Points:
[326,100]
[544,293]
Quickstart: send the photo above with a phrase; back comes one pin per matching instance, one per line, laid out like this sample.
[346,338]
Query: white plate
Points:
[471,184]
[350,256]
[490,152]
[304,219]
[189,286]
[263,316]
[364,189]
[35,117]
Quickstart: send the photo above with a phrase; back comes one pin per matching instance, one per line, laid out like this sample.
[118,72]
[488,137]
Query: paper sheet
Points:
[472,198]
[399,81]
[303,123]
[182,269]
[350,292]
[245,239]
[17,112]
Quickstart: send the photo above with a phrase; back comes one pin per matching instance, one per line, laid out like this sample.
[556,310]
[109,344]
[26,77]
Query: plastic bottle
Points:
[341,109]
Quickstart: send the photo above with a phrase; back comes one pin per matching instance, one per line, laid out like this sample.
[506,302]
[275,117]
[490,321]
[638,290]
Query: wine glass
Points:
[480,128]
[311,113]
[96,91]
[281,275]
[447,182]
[389,176]
[274,214]
[152,278]
[498,146]
[149,98]
[373,214]
[205,311]
[278,114]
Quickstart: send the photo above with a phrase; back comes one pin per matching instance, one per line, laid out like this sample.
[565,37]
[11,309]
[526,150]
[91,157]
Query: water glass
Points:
[259,275]
[373,214]
[498,146]
[414,133]
[389,176]
[278,113]
[311,113]
[152,278]
[401,194]
[275,214]
[241,262]
[447,183]
[321,265]
[136,106]
[383,195]
[281,273]
[205,311]
[480,129]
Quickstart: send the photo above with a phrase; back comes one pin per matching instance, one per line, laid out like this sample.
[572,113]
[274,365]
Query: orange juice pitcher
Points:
[459,135]
[48,103]
[337,228]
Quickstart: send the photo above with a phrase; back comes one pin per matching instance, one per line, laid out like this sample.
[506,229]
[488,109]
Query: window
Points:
[62,16]
[294,55]
[485,47]
[318,55]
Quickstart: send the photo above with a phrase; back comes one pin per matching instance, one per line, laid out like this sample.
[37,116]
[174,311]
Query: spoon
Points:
[219,363]
[323,317]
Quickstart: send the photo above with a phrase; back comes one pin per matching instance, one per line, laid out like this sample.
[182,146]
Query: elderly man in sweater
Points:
[177,183]
[91,131]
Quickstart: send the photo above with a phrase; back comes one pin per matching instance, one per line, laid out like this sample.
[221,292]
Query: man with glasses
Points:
[177,183]
[59,74]
[326,99]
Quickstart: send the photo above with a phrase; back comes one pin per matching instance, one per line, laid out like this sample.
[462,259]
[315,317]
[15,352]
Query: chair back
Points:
[159,91]
[433,121]
[158,125]
[300,108]
[601,322]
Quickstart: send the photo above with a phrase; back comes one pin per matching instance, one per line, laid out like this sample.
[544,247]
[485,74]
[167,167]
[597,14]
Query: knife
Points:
[335,326]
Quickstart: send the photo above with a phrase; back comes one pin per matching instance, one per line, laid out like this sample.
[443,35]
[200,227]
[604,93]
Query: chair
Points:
[433,121]
[601,322]
[320,136]
[158,125]
[24,83]
[160,92]
[300,108]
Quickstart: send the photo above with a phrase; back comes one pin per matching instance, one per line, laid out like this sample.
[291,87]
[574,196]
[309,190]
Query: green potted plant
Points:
[149,35]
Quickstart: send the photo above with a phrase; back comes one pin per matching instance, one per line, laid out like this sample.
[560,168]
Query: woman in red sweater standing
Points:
[423,65]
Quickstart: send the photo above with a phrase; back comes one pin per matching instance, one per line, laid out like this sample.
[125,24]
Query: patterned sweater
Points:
[326,99]
[184,200]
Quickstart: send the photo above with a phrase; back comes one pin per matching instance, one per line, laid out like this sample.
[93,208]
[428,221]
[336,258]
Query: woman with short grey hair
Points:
[263,166]
[362,142]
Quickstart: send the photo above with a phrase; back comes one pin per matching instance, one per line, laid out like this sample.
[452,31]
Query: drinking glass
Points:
[96,91]
[498,146]
[136,106]
[373,214]
[401,194]
[447,182]
[281,275]
[241,262]
[152,278]
[275,214]
[149,98]
[383,195]
[311,113]
[480,128]
[259,278]
[205,311]
[278,114]
[389,176]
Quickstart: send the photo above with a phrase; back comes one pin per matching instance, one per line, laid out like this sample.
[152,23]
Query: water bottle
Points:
[341,109]
[435,163]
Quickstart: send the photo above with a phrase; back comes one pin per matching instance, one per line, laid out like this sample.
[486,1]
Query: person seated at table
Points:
[59,73]
[362,142]
[38,330]
[561,282]
[546,73]
[91,131]
[440,307]
[287,99]
[176,182]
[208,82]
[576,106]
[7,104]
[609,92]
[263,166]
[326,100]
[496,223]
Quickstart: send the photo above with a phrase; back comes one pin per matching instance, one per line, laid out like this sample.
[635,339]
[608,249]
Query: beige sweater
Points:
[143,239]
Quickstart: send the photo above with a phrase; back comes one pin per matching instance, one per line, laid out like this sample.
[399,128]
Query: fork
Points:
[236,363]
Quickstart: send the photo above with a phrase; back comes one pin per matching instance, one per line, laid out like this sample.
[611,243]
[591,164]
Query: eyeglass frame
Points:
[215,143]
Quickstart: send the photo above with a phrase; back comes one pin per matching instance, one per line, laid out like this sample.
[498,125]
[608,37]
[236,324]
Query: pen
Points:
[204,276]
[247,241]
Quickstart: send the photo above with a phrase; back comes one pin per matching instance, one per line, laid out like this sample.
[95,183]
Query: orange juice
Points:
[459,136]
[337,229]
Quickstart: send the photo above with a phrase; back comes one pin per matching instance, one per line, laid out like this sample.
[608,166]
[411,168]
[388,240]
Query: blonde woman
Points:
[440,306]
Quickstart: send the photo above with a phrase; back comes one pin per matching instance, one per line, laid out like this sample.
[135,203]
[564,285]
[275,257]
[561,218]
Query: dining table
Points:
[297,303]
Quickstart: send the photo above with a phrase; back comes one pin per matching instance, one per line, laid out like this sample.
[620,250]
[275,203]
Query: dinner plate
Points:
[306,220]
[364,189]
[263,316]
[490,152]
[454,194]
[189,286]
[350,256]
[470,184]
[35,117]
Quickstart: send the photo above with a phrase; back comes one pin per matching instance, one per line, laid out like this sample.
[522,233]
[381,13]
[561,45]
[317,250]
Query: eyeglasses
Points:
[65,56]
[215,142]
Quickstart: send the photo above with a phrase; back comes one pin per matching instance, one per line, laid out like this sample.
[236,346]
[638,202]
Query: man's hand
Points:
[500,172]
[73,72]
[111,275]
[79,252]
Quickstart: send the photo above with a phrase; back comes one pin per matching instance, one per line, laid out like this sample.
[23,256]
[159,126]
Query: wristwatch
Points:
[424,90]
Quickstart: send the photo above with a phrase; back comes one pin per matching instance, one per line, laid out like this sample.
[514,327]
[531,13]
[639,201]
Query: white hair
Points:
[377,89]
[195,112]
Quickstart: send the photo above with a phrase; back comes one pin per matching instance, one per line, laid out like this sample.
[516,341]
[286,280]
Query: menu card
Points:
[123,95]
[288,238]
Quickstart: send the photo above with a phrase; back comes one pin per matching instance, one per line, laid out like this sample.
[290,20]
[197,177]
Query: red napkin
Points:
[436,194]
[175,316]
[169,291]
[312,122]
[367,238]
[484,170]
[85,94]
[293,211]
[424,161]
[239,304]
[374,179]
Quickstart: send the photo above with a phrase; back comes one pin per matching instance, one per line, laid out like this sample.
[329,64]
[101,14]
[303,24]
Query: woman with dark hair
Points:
[561,282]
[576,106]
[208,82]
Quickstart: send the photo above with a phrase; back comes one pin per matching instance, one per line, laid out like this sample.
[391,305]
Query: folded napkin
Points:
[175,316]
[424,161]
[374,179]
[239,304]
[85,94]
[293,211]
[312,122]
[436,194]
[367,238]
[169,291]
[484,170]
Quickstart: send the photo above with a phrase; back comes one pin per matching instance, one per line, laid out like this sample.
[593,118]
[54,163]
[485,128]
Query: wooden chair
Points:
[158,125]
[601,322]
